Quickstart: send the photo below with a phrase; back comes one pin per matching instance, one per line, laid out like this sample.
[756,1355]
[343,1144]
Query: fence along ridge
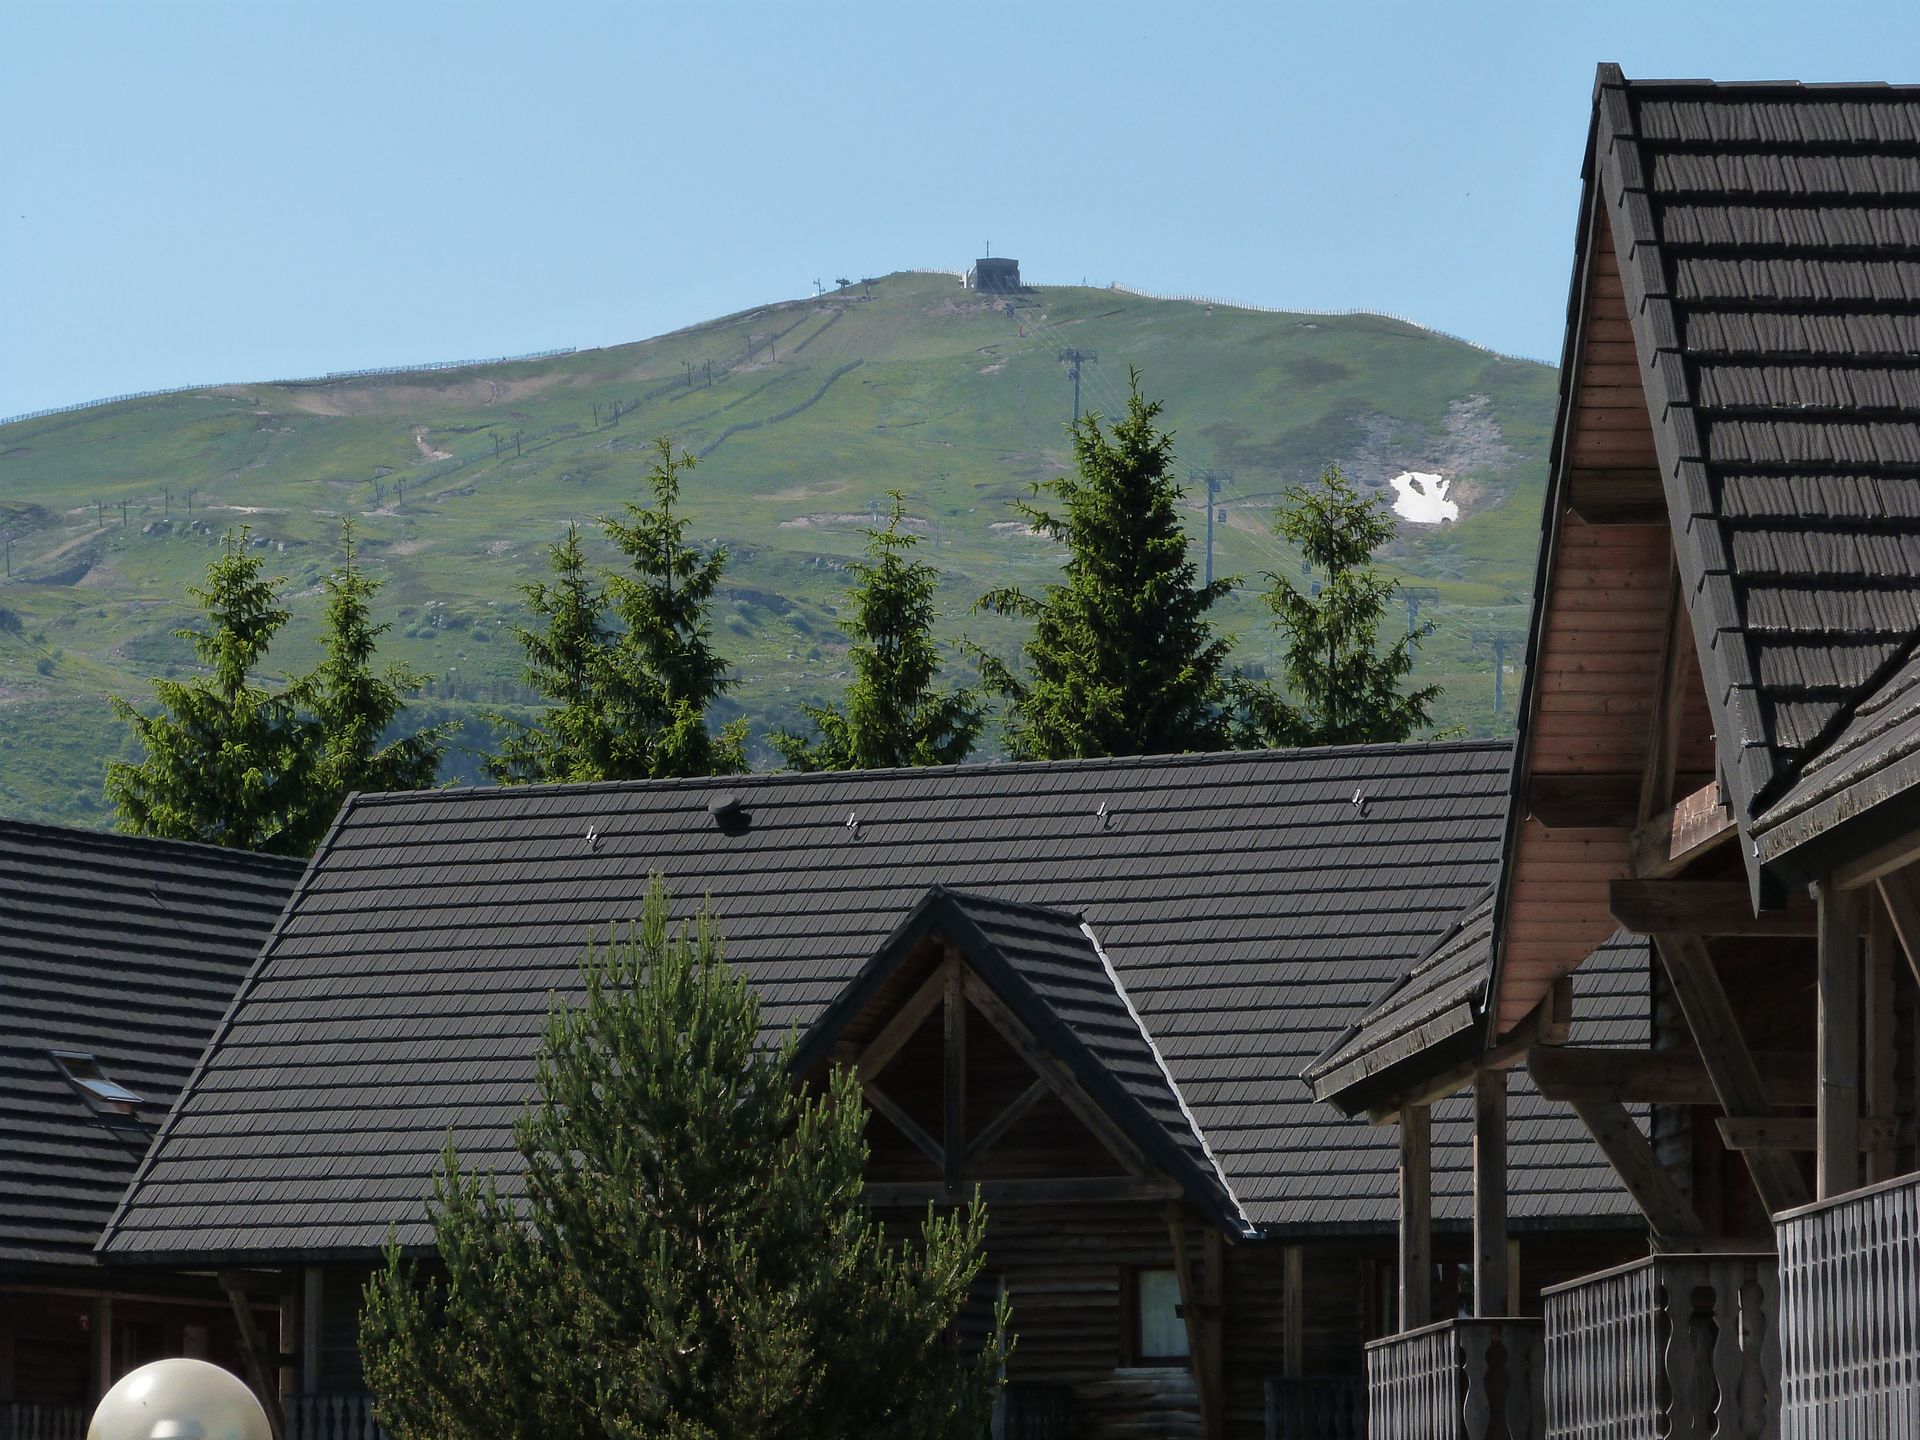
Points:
[1394,316]
[326,378]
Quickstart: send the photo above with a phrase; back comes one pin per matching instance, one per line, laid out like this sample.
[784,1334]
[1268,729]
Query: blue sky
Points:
[199,192]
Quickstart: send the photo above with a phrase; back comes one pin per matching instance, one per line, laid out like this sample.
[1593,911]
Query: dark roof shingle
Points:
[1247,904]
[129,950]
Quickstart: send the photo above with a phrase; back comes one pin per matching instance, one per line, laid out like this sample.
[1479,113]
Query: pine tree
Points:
[892,714]
[224,763]
[567,653]
[1345,690]
[352,706]
[664,663]
[688,1254]
[1122,659]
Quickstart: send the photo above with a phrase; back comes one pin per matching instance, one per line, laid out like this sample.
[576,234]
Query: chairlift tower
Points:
[1213,479]
[1073,359]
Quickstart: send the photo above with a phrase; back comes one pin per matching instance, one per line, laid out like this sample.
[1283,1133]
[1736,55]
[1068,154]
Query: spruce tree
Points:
[1344,688]
[567,650]
[892,714]
[685,1251]
[663,665]
[1122,659]
[352,705]
[224,760]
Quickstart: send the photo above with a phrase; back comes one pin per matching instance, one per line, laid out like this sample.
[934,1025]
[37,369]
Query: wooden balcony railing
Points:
[1850,1314]
[347,1416]
[1316,1407]
[1458,1380]
[1674,1345]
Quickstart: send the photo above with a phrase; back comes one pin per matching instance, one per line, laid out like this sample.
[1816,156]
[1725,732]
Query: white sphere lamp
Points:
[179,1400]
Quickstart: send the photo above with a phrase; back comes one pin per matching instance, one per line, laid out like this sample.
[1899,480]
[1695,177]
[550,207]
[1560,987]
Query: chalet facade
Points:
[1088,988]
[1716,762]
[117,958]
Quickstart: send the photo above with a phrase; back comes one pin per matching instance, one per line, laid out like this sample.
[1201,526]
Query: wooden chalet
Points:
[117,958]
[1088,988]
[1717,756]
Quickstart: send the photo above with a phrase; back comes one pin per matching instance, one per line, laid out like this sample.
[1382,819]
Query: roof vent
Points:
[729,812]
[103,1094]
[1104,816]
[853,824]
[1360,800]
[593,837]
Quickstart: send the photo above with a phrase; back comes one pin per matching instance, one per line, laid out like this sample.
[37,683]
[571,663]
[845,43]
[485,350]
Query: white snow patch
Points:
[1422,498]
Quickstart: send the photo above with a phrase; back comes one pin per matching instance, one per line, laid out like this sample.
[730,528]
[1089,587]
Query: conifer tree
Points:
[1122,659]
[663,664]
[1344,689]
[686,1252]
[567,651]
[892,714]
[352,705]
[224,763]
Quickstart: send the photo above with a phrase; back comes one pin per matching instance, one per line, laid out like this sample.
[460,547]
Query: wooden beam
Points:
[905,1123]
[1836,1161]
[1213,1297]
[1878,1004]
[259,1375]
[1198,1323]
[1416,1217]
[1490,1193]
[1051,1069]
[1663,736]
[1584,802]
[1675,837]
[1639,1169]
[1895,855]
[1658,1077]
[1617,497]
[953,1089]
[1547,1023]
[312,1307]
[1794,1132]
[1705,907]
[997,1128]
[1903,913]
[1737,1081]
[1077,1190]
[1293,1306]
[907,1019]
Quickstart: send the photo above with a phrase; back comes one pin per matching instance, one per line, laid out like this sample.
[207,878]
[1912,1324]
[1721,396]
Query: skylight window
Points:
[101,1091]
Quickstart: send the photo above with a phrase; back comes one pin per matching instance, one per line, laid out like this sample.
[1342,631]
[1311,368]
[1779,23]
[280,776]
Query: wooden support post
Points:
[1667,1211]
[255,1353]
[1293,1308]
[1513,1277]
[1416,1218]
[1837,1107]
[312,1281]
[1882,1152]
[1737,1080]
[954,1086]
[101,1322]
[1490,1193]
[1213,1300]
[1198,1322]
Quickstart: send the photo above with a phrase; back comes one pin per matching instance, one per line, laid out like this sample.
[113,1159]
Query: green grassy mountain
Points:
[803,414]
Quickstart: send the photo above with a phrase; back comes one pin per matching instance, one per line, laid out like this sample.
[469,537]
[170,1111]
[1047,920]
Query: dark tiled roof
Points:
[1440,997]
[129,950]
[1769,239]
[1247,902]
[1047,965]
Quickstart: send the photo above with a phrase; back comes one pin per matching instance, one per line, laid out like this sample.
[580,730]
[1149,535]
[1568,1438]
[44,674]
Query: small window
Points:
[102,1093]
[1160,1330]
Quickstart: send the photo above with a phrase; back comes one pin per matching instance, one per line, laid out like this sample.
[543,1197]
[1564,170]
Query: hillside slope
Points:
[803,414]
